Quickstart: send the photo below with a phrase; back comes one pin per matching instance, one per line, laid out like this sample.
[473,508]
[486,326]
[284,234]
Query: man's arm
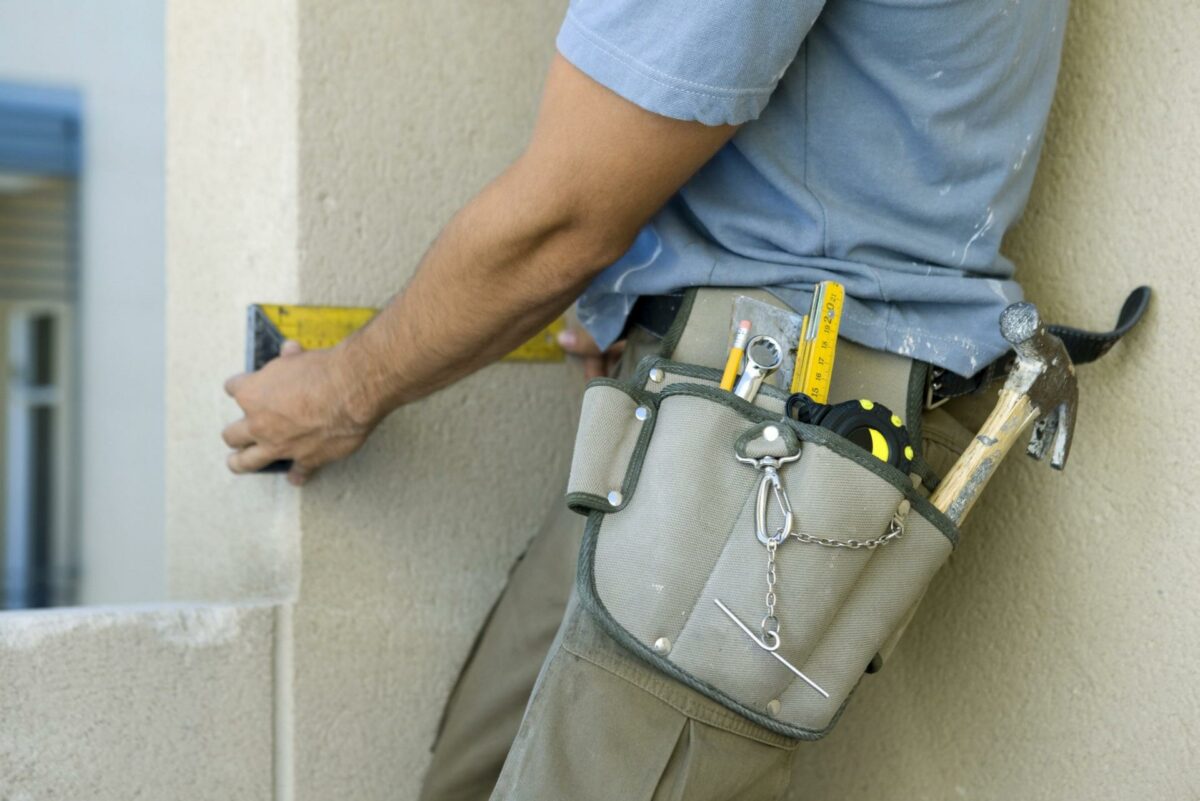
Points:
[597,167]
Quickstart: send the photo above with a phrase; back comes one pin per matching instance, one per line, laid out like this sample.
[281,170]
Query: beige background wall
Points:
[171,703]
[1056,656]
[406,109]
[314,150]
[1053,657]
[232,238]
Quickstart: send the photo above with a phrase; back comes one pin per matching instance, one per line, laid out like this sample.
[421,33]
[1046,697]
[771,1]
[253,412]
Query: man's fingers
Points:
[579,343]
[237,435]
[596,363]
[299,474]
[594,367]
[233,382]
[256,457]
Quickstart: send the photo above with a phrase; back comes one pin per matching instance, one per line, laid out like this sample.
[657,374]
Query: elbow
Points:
[566,248]
[598,226]
[594,241]
[577,225]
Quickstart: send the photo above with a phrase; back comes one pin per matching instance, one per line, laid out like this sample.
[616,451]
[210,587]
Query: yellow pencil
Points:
[735,355]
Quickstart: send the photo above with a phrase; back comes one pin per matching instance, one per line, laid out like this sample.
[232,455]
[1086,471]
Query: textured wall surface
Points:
[1055,656]
[407,109]
[314,151]
[327,190]
[118,70]
[231,240]
[117,703]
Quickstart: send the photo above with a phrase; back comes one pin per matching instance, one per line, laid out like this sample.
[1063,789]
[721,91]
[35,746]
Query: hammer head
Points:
[1043,371]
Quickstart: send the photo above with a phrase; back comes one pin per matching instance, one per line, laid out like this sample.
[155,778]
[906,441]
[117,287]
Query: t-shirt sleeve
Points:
[713,61]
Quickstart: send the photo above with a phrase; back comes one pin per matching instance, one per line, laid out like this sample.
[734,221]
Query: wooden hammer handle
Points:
[964,483]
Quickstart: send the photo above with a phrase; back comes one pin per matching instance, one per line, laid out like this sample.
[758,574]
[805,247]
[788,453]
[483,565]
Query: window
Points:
[37,510]
[39,160]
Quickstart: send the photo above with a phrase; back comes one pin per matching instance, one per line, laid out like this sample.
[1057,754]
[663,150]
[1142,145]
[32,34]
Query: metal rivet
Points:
[770,433]
[662,646]
[657,375]
[614,498]
[773,707]
[641,413]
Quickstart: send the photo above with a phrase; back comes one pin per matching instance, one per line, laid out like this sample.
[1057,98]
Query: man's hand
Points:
[596,363]
[296,407]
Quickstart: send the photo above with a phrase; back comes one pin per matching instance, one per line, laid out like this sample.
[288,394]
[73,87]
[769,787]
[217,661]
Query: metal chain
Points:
[772,546]
[894,531]
[770,623]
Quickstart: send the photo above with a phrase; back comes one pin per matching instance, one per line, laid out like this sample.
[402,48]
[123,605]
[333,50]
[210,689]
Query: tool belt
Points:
[685,485]
[759,560]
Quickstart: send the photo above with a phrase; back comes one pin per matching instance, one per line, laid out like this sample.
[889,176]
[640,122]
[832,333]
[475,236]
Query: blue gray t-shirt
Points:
[887,145]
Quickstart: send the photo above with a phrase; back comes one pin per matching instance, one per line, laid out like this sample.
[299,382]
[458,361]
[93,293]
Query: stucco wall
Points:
[406,110]
[113,54]
[1057,640]
[232,239]
[111,704]
[314,151]
[1055,656]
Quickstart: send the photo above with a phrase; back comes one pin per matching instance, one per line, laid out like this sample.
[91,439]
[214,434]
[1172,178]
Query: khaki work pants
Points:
[548,706]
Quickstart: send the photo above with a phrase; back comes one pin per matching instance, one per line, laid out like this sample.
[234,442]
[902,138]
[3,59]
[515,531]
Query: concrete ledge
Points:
[165,701]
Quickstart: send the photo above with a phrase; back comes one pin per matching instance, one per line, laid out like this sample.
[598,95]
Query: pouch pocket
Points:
[672,529]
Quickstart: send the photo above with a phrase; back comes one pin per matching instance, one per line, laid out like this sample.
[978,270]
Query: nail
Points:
[567,339]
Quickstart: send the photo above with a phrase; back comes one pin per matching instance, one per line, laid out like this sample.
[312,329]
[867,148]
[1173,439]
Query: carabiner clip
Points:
[769,485]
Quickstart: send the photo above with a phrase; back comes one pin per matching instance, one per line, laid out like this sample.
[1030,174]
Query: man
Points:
[887,146]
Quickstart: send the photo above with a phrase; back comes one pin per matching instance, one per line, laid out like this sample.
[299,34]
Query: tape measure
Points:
[315,327]
[818,341]
[869,425]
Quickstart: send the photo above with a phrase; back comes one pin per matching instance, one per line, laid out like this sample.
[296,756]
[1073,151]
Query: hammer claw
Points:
[1064,428]
[1052,433]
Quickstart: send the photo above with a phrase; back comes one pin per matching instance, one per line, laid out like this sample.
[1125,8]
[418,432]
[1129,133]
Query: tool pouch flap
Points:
[677,497]
[614,430]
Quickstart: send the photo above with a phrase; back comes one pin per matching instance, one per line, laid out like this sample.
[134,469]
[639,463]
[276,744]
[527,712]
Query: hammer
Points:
[1040,387]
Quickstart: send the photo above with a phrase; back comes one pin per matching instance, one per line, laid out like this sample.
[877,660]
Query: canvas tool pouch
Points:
[664,468]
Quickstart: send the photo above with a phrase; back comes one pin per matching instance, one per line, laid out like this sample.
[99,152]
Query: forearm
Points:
[596,169]
[508,263]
